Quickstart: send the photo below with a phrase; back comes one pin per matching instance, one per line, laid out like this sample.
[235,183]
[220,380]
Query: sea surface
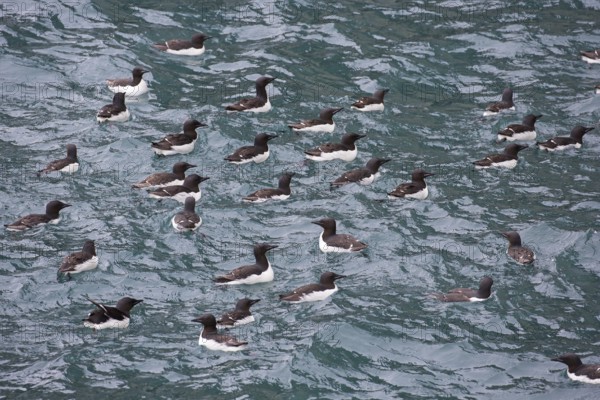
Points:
[381,336]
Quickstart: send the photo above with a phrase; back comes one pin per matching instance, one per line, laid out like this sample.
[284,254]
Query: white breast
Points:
[86,266]
[261,157]
[192,51]
[180,197]
[317,128]
[317,296]
[131,91]
[264,108]
[370,179]
[488,113]
[345,155]
[582,378]
[510,164]
[110,324]
[214,345]
[590,60]
[475,299]
[420,195]
[370,107]
[266,276]
[325,248]
[528,135]
[243,321]
[179,228]
[71,168]
[120,117]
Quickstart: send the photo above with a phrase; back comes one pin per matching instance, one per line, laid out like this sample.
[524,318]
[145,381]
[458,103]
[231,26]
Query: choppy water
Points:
[379,336]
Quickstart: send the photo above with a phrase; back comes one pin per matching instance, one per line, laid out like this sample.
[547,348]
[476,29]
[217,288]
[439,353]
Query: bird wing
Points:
[305,124]
[243,153]
[404,189]
[363,101]
[298,293]
[187,219]
[261,194]
[169,191]
[239,273]
[70,261]
[55,165]
[178,44]
[355,175]
[497,106]
[245,104]
[325,148]
[28,221]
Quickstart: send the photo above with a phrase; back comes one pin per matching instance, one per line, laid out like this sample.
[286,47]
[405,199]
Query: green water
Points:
[380,336]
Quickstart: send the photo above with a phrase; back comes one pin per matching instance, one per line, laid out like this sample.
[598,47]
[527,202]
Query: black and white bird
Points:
[597,89]
[324,123]
[193,47]
[257,153]
[80,261]
[575,140]
[362,176]
[416,189]
[282,192]
[523,131]
[314,291]
[332,242]
[69,164]
[115,112]
[189,188]
[132,87]
[578,371]
[259,272]
[241,315]
[162,179]
[213,340]
[346,150]
[463,295]
[260,103]
[187,220]
[591,57]
[179,143]
[521,254]
[105,317]
[32,220]
[371,103]
[507,159]
[505,104]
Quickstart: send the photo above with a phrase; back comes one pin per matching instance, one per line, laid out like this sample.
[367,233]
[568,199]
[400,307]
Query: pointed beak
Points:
[65,205]
[254,301]
[505,234]
[336,277]
[272,246]
[385,160]
[538,116]
[318,222]
[204,178]
[191,165]
[137,301]
[197,320]
[338,110]
[272,136]
[428,174]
